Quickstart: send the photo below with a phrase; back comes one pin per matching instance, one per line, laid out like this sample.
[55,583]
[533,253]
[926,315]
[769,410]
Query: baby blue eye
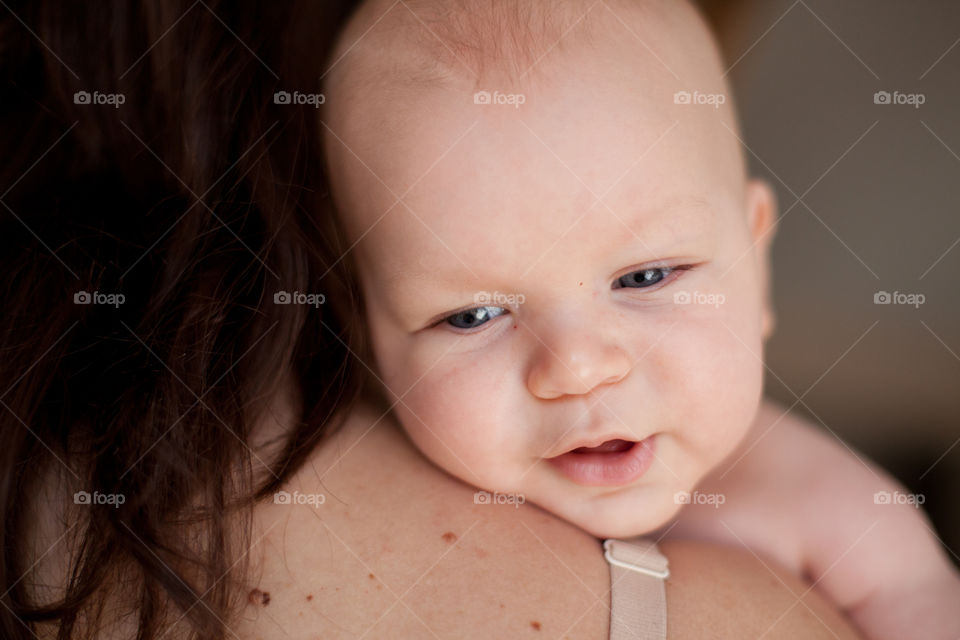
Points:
[643,277]
[474,317]
[640,279]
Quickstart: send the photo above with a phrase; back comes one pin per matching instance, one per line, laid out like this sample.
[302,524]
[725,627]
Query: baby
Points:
[565,271]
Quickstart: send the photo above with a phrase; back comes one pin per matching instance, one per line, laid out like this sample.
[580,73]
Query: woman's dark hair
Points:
[161,200]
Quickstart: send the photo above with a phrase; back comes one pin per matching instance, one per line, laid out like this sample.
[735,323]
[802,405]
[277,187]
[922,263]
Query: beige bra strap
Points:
[638,601]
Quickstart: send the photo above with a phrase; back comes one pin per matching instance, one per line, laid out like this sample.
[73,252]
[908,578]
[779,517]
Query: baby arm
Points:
[799,495]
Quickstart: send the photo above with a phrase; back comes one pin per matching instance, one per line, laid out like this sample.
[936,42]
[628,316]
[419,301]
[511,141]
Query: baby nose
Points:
[575,363]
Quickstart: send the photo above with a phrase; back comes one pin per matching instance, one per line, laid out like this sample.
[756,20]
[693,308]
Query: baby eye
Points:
[643,278]
[475,317]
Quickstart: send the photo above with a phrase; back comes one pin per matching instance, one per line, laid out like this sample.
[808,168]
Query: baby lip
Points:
[610,446]
[593,468]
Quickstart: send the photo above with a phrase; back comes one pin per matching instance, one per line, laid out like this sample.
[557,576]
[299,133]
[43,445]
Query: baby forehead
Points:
[391,85]
[473,36]
[591,122]
[438,42]
[481,181]
[556,157]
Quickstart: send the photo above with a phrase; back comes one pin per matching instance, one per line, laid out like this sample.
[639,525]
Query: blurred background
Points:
[849,110]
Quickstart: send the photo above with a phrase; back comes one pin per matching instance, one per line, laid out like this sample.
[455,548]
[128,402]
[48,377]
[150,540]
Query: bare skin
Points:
[450,199]
[399,549]
[792,494]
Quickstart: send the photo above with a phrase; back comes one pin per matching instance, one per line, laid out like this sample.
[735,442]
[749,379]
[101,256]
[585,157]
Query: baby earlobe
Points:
[768,322]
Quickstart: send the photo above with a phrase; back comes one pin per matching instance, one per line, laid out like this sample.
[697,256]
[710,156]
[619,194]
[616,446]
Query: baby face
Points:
[565,297]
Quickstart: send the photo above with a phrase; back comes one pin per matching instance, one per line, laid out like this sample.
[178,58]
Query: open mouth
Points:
[610,446]
[612,463]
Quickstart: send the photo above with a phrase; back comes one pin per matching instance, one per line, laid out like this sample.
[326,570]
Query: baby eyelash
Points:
[668,270]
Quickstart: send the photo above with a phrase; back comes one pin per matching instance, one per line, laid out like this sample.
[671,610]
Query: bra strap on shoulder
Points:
[638,603]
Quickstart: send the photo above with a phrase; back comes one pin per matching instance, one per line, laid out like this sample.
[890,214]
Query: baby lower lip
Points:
[613,463]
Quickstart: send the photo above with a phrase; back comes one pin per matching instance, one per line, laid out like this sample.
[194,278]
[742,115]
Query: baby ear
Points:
[762,220]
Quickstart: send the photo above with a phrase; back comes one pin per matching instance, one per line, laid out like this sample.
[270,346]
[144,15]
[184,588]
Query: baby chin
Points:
[630,511]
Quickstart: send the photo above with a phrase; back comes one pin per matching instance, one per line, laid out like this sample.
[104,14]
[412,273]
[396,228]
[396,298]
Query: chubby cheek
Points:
[456,411]
[716,378]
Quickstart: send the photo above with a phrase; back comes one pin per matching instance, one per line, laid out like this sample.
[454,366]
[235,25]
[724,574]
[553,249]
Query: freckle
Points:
[257,596]
[371,576]
[449,537]
[535,625]
[501,605]
[481,553]
[309,596]
[379,587]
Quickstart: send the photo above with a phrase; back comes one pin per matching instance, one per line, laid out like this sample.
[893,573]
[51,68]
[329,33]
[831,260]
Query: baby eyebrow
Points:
[697,220]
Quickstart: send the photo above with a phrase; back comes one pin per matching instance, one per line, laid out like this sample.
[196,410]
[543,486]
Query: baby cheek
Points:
[460,415]
[719,383]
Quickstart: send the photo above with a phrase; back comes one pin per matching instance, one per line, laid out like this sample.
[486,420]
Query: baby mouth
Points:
[610,446]
[611,463]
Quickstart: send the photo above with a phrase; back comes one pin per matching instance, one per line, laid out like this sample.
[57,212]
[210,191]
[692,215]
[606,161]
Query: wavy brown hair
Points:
[197,199]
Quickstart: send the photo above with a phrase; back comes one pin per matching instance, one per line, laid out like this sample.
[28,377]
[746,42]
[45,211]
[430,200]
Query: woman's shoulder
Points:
[725,592]
[371,538]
